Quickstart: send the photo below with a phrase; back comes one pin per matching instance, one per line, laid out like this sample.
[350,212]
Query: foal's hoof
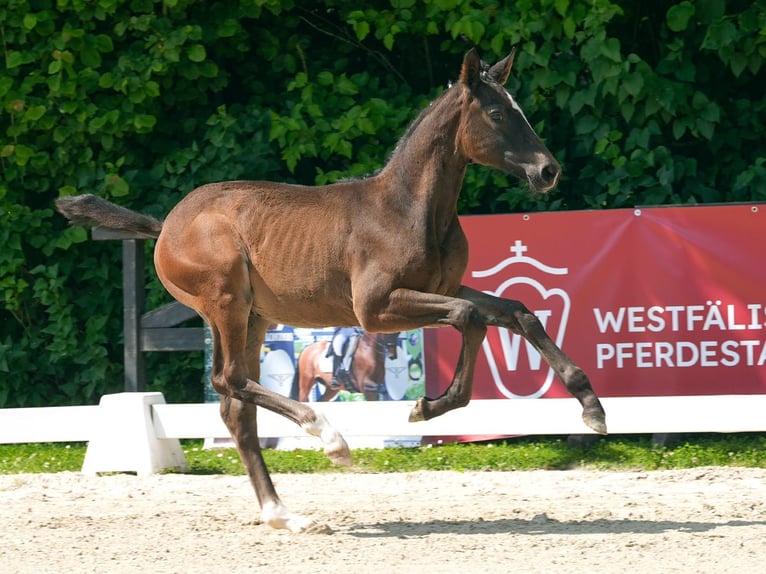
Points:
[339,456]
[596,420]
[416,414]
[335,446]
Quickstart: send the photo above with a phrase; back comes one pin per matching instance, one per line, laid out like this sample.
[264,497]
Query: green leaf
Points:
[679,127]
[719,35]
[144,122]
[116,185]
[325,78]
[666,174]
[345,86]
[627,109]
[22,154]
[586,124]
[90,57]
[5,85]
[106,80]
[570,27]
[705,128]
[699,101]
[104,43]
[362,30]
[14,59]
[197,53]
[476,31]
[738,63]
[34,113]
[30,21]
[208,69]
[611,49]
[228,28]
[633,83]
[678,16]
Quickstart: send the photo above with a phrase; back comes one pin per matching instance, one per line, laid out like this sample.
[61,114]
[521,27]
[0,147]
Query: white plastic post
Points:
[124,439]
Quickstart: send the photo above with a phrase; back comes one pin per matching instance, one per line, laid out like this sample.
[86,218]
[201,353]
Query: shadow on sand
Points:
[540,525]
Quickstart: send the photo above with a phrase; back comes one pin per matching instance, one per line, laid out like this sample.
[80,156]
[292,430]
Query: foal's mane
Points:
[485,78]
[423,113]
[407,134]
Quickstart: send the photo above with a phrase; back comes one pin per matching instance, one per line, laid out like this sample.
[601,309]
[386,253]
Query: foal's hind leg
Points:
[212,278]
[234,373]
[200,262]
[516,317]
[240,419]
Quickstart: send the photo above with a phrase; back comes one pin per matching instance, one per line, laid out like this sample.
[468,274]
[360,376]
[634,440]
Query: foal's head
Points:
[494,130]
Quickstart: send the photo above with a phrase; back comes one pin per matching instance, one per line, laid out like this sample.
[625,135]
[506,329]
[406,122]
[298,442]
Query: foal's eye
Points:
[496,115]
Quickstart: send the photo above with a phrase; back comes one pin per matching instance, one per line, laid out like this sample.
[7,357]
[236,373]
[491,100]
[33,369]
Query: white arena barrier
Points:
[138,432]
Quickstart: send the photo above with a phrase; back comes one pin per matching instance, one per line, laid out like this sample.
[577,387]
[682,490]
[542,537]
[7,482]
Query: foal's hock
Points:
[386,253]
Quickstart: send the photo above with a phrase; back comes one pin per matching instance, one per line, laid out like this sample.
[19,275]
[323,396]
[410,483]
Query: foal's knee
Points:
[525,321]
[229,381]
[468,320]
[221,385]
[529,321]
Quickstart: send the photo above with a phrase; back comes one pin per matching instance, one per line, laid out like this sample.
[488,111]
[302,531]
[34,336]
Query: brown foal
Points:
[386,253]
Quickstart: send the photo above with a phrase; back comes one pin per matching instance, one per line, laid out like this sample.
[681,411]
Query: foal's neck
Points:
[427,168]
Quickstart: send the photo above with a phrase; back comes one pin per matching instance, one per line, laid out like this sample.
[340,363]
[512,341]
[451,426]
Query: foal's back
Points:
[285,246]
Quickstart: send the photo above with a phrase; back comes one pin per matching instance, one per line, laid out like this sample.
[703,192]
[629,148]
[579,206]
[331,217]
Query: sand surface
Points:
[697,521]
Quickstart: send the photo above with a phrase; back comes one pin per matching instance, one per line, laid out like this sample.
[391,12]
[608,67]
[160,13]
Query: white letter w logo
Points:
[511,345]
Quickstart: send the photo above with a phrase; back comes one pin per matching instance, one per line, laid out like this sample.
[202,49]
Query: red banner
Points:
[649,302]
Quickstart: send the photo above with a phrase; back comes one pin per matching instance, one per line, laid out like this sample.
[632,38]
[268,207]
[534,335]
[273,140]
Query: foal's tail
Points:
[92,211]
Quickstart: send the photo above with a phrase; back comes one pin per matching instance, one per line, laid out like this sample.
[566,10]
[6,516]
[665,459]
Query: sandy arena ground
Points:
[696,521]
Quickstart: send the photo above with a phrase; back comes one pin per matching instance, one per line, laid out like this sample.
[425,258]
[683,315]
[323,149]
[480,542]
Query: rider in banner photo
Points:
[342,349]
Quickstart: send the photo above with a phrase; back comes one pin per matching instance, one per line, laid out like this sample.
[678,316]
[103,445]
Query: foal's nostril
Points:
[550,173]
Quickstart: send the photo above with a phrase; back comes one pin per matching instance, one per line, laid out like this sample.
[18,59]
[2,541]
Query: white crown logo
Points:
[511,343]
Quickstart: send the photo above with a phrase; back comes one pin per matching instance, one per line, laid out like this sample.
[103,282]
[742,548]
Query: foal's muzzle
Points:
[543,175]
[540,170]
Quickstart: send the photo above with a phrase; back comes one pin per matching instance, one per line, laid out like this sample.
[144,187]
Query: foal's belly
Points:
[302,303]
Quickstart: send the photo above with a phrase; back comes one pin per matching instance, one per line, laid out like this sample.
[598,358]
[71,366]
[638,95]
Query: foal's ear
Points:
[500,71]
[470,73]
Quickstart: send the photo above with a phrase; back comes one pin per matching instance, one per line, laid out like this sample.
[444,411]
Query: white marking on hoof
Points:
[335,446]
[416,414]
[276,515]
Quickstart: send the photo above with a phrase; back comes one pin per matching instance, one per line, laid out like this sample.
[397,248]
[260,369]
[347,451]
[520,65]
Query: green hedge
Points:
[141,101]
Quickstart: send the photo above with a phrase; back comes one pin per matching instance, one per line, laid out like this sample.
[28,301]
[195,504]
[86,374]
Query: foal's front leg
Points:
[406,309]
[514,316]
